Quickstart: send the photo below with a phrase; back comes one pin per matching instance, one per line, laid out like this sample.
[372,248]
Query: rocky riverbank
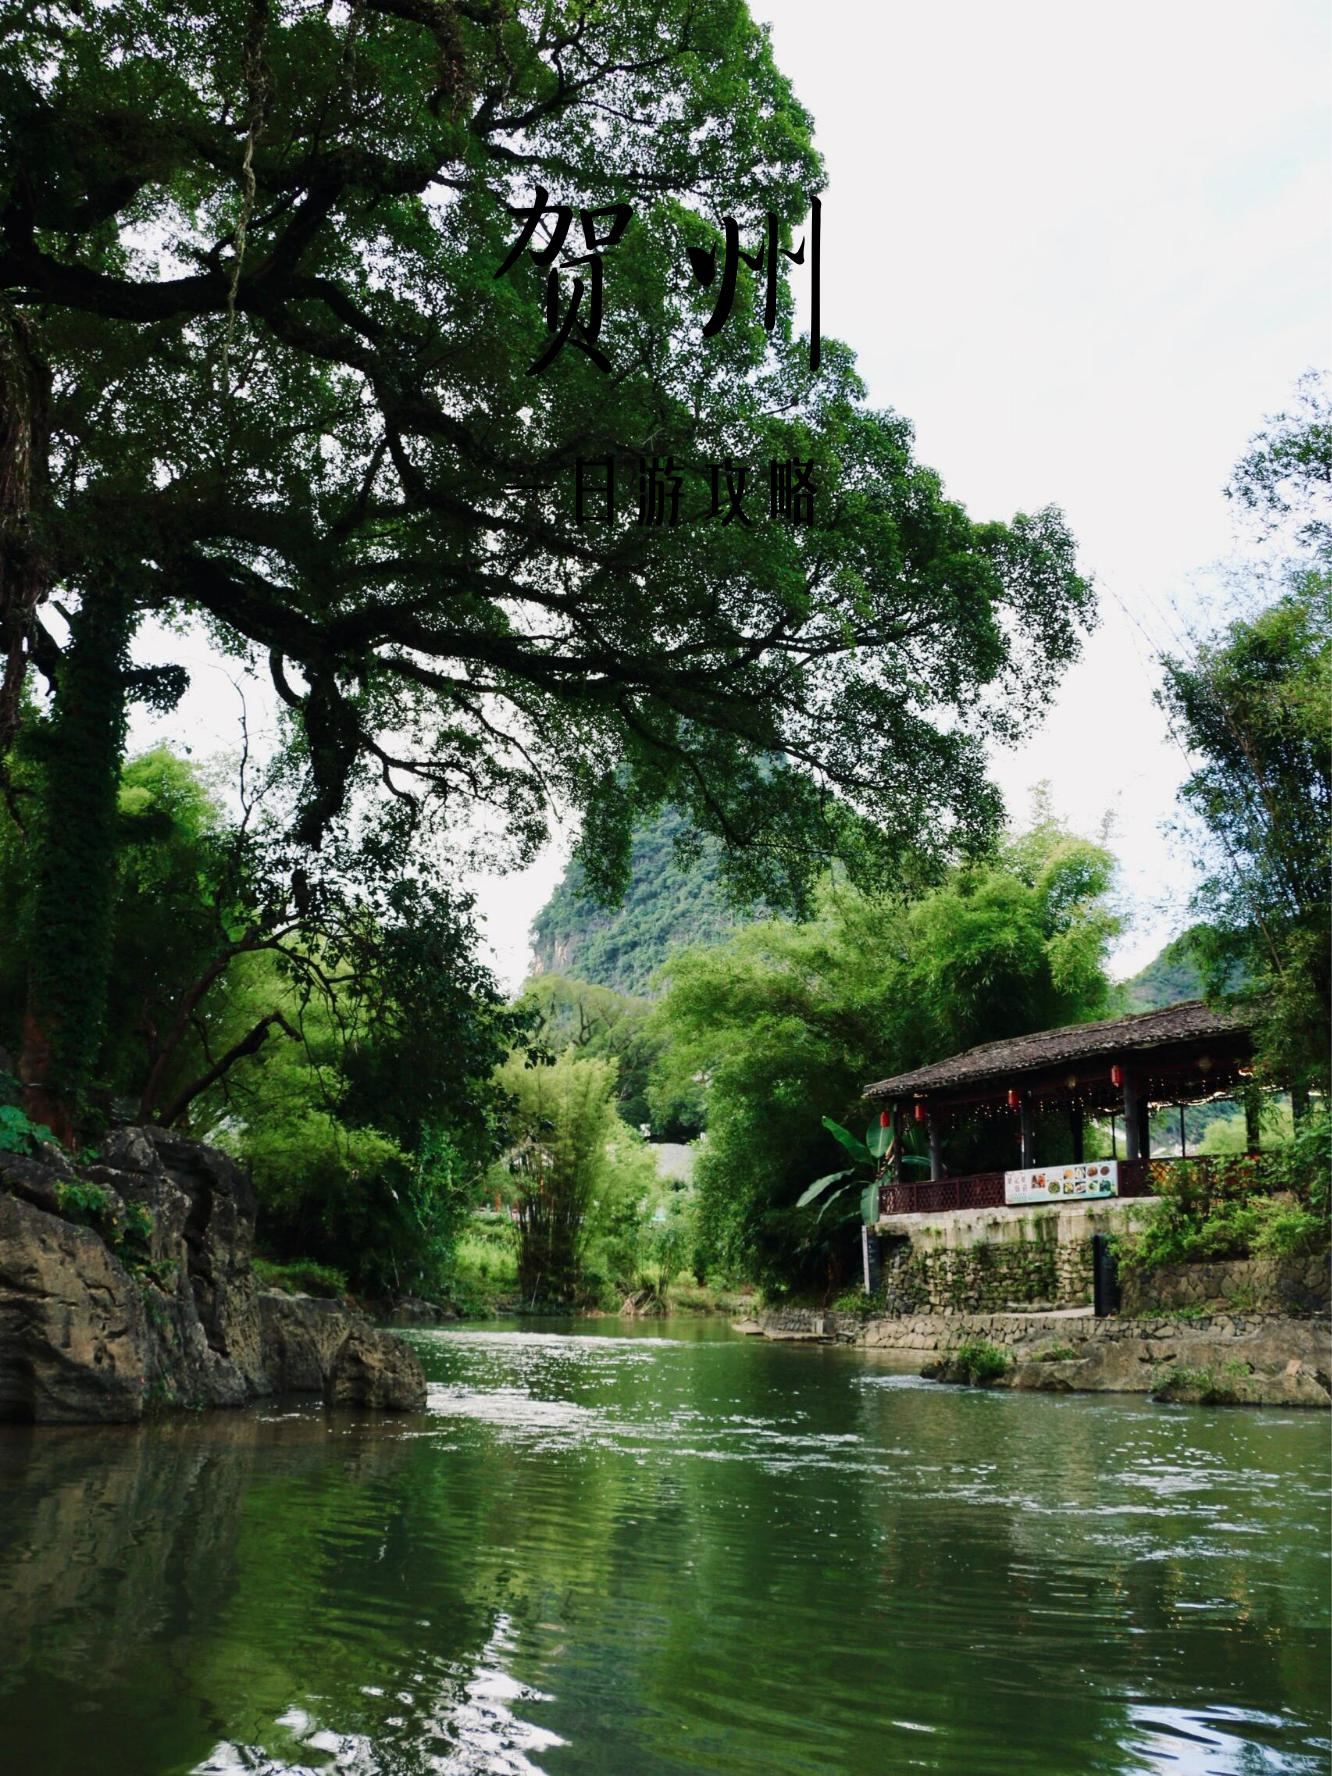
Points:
[126,1286]
[1233,1359]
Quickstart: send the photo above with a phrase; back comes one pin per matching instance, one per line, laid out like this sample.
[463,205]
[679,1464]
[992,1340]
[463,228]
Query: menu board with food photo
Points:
[1052,1183]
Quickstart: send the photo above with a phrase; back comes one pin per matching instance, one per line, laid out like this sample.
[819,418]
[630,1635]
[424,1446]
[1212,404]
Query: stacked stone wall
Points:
[1038,1275]
[1294,1285]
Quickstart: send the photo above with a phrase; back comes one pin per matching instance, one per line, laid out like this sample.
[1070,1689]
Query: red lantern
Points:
[1013,1100]
[884,1119]
[1116,1074]
[920,1112]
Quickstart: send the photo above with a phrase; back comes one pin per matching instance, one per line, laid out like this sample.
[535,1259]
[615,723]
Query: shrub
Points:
[979,1362]
[1272,1207]
[1203,1387]
[19,1133]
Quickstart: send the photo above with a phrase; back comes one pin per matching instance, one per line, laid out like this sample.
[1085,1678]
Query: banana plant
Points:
[867,1154]
[838,1187]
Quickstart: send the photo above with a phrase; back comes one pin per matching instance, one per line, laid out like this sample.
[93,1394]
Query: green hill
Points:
[1169,977]
[665,907]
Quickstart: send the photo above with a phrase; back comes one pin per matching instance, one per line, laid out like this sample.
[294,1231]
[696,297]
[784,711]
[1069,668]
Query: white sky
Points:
[1085,248]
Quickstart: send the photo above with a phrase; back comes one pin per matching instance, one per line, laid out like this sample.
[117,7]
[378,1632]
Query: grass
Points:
[1204,1387]
[1056,1353]
[687,1296]
[485,1267]
[300,1276]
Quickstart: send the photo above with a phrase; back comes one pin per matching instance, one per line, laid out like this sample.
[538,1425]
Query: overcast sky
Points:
[1085,248]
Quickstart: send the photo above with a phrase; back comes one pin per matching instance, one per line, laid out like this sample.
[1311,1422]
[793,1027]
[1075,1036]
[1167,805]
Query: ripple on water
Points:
[610,1555]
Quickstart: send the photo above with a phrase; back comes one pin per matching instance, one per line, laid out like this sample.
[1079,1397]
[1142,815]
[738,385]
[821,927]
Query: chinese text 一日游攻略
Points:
[660,490]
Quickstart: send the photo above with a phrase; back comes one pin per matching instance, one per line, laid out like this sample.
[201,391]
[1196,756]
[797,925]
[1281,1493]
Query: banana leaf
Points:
[820,1185]
[878,1139]
[853,1144]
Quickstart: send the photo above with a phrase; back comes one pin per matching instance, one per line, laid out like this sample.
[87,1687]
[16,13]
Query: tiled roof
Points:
[1191,1020]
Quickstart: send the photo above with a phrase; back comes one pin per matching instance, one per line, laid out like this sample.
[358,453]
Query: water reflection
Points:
[669,1552]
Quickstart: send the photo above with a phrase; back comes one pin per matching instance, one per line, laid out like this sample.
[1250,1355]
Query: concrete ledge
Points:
[1059,1223]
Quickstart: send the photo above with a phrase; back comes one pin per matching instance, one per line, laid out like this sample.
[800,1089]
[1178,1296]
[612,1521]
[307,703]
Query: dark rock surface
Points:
[155,1302]
[409,1310]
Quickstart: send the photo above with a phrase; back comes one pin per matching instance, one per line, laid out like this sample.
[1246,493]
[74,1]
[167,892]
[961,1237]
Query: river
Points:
[625,1550]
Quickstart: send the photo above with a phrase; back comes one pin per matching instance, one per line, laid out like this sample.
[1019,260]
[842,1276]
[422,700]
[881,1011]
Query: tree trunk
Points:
[73,906]
[25,392]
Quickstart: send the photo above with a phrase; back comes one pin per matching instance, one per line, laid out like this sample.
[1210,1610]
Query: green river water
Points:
[611,1550]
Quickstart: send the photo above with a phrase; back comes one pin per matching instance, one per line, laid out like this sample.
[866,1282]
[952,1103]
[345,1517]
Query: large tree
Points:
[1253,705]
[256,366]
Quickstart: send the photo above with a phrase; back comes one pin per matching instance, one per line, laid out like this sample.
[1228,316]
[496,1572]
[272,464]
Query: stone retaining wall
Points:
[1297,1286]
[1032,1274]
[1037,1258]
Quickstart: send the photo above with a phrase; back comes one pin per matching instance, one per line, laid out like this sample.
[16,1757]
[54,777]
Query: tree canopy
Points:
[257,368]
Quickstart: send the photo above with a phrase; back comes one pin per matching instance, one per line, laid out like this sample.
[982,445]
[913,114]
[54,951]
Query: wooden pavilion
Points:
[1123,1067]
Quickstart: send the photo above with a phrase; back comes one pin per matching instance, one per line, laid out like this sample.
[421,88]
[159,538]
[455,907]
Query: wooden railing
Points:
[1137,1177]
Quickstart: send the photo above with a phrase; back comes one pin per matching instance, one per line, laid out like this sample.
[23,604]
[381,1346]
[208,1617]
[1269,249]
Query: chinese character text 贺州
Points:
[577,322]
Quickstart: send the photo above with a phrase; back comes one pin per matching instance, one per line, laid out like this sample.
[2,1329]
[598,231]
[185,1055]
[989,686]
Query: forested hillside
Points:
[1169,977]
[667,905]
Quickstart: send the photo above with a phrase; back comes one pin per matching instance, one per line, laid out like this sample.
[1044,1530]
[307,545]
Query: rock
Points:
[73,1348]
[409,1310]
[374,1369]
[95,1324]
[312,1345]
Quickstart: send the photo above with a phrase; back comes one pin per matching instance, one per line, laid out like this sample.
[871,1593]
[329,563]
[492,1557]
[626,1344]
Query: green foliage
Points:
[301,1276]
[70,917]
[484,1275]
[627,1248]
[368,1111]
[18,1132]
[1056,1353]
[560,1125]
[81,1201]
[126,1227]
[978,1362]
[859,1181]
[1272,1207]
[356,478]
[667,1239]
[348,1192]
[675,896]
[1302,1166]
[602,1024]
[1203,1387]
[1169,978]
[1254,705]
[787,1018]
